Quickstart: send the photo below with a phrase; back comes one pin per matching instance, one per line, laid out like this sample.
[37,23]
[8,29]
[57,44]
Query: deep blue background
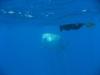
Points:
[22,51]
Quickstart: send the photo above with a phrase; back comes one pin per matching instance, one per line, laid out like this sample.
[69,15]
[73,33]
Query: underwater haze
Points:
[31,42]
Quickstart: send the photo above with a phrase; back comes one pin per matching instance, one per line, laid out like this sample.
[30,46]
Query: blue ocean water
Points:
[26,50]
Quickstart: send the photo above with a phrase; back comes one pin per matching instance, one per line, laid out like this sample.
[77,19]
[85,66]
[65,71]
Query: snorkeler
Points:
[75,26]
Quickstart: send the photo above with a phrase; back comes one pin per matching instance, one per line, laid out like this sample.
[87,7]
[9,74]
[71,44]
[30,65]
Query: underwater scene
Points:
[49,37]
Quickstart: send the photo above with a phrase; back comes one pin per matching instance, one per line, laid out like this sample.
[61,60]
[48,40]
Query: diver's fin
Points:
[90,25]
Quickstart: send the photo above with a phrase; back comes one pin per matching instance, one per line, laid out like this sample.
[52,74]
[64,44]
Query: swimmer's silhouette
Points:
[75,26]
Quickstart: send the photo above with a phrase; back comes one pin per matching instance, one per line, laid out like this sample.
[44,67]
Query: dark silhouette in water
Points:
[68,27]
[75,26]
